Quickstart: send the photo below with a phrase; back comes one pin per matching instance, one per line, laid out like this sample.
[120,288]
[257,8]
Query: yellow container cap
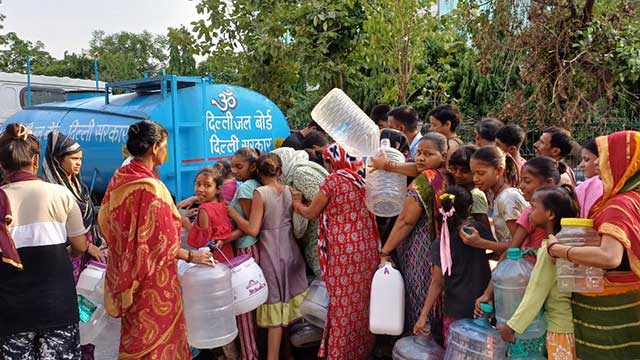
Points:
[577,222]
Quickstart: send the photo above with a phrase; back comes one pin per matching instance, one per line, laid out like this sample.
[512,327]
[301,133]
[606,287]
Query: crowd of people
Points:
[300,212]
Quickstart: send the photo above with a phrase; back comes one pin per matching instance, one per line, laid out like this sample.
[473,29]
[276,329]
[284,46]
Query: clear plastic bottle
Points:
[208,306]
[475,339]
[573,277]
[510,279]
[89,288]
[347,124]
[386,191]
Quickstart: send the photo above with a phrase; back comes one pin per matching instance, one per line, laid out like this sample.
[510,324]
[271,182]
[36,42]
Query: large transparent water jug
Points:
[386,310]
[89,289]
[573,277]
[417,348]
[208,306]
[315,306]
[475,339]
[386,191]
[347,124]
[510,279]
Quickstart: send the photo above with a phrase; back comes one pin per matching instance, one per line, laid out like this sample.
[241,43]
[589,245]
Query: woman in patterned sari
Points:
[415,230]
[142,228]
[607,324]
[348,247]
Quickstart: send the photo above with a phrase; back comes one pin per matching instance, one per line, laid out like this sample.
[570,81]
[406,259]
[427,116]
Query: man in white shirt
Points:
[405,119]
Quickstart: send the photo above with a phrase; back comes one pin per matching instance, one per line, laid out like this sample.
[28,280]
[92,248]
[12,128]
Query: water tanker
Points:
[206,122]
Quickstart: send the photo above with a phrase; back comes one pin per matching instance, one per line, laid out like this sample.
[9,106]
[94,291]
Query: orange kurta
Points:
[142,228]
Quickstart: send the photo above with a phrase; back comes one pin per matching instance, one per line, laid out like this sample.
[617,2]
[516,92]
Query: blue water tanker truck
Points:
[205,121]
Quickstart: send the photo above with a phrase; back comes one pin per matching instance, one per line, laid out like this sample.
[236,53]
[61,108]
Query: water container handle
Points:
[212,246]
[532,251]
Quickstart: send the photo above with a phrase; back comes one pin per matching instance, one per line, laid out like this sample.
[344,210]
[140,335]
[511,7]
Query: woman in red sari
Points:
[348,247]
[607,324]
[142,228]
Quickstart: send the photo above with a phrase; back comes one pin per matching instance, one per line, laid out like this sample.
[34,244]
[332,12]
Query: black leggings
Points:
[52,344]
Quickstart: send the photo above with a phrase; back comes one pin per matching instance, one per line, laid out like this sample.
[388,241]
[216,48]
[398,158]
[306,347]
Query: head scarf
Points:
[59,146]
[617,212]
[345,165]
[290,159]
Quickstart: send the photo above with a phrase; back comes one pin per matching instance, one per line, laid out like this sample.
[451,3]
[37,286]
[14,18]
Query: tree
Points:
[73,65]
[573,63]
[398,44]
[181,51]
[127,55]
[13,56]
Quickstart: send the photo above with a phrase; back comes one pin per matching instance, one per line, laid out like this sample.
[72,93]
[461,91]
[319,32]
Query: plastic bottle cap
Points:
[486,307]
[514,254]
[385,143]
[577,222]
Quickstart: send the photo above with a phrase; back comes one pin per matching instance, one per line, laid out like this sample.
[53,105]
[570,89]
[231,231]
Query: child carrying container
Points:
[548,206]
[459,271]
[212,223]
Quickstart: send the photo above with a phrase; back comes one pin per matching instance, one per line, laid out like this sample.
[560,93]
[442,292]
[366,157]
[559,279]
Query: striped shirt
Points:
[42,296]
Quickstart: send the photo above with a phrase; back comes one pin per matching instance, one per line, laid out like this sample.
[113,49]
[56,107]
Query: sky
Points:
[67,24]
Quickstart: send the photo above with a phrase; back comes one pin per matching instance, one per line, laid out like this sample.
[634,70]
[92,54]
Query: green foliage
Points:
[13,56]
[181,52]
[127,55]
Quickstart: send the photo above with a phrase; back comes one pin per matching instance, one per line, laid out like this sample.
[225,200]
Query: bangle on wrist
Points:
[189,256]
[549,250]
[382,253]
[568,250]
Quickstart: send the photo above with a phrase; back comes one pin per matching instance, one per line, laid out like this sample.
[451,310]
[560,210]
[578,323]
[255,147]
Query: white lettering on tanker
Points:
[223,146]
[85,131]
[221,125]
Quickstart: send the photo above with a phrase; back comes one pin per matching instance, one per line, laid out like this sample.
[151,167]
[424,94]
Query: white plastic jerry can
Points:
[386,310]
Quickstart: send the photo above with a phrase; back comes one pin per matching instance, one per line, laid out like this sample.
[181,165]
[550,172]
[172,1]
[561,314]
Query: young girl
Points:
[280,257]
[213,223]
[495,172]
[548,206]
[244,169]
[416,227]
[536,173]
[229,183]
[459,271]
[460,169]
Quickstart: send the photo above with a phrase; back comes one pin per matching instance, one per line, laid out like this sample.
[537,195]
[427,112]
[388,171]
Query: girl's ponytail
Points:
[511,171]
[455,205]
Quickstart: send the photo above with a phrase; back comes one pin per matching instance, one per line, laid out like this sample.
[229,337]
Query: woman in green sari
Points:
[607,324]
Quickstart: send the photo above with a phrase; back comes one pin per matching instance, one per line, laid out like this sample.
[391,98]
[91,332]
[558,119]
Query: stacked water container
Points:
[510,279]
[417,348]
[96,326]
[475,339]
[386,191]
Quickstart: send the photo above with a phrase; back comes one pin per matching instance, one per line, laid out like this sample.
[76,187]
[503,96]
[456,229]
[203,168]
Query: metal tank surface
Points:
[205,121]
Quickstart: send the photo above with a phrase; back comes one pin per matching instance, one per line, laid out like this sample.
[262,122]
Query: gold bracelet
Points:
[190,256]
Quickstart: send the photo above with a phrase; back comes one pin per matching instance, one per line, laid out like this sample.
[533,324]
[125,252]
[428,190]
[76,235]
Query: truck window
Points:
[41,95]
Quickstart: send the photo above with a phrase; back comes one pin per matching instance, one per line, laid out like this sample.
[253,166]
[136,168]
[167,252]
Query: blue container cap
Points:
[486,307]
[514,254]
